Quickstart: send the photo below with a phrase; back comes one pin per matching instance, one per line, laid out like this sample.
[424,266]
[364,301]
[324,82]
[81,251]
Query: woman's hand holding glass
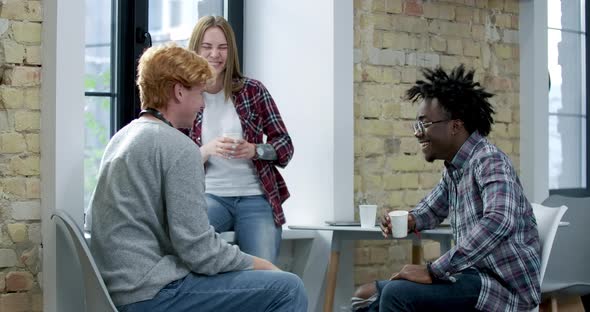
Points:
[229,148]
[236,149]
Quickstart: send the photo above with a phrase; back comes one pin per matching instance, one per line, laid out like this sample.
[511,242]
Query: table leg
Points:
[331,280]
[417,253]
[332,274]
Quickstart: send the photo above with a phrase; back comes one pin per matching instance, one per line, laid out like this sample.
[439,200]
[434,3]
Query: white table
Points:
[443,235]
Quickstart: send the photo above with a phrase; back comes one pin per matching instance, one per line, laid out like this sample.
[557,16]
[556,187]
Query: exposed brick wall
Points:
[393,39]
[20,224]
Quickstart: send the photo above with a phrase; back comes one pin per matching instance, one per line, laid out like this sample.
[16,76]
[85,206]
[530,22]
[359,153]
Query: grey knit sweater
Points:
[149,215]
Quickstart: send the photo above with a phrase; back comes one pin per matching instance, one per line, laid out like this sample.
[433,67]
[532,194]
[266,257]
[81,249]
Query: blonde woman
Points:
[244,189]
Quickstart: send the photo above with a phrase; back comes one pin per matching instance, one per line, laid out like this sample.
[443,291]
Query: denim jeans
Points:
[403,295]
[234,291]
[251,218]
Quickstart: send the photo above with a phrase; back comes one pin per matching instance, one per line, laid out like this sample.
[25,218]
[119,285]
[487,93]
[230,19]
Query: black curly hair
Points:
[459,95]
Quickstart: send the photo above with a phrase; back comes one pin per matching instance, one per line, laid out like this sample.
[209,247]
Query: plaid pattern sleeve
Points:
[433,209]
[272,124]
[493,226]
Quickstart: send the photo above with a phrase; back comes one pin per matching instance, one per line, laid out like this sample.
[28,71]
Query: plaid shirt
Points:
[493,226]
[260,116]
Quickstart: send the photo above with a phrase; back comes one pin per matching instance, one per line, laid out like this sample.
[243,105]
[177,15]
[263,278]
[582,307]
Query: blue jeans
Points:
[403,295]
[251,218]
[233,291]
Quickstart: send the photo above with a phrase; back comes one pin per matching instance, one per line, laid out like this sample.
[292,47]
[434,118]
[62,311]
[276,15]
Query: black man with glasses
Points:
[495,263]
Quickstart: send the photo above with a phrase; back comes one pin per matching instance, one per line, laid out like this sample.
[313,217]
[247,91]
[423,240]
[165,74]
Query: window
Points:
[176,18]
[568,103]
[98,84]
[115,38]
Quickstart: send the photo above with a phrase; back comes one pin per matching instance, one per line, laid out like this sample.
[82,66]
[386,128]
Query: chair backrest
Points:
[547,222]
[96,294]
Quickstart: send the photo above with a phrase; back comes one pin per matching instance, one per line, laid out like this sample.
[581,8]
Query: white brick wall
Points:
[20,227]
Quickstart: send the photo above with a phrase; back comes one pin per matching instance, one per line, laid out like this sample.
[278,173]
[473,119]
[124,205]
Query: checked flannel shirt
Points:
[260,116]
[493,226]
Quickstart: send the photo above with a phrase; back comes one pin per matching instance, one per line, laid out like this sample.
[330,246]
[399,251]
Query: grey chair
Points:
[567,272]
[96,297]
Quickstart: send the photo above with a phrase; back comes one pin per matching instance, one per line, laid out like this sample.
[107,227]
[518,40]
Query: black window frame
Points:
[129,39]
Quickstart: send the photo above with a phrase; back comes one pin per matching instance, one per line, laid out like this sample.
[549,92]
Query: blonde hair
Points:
[233,80]
[162,66]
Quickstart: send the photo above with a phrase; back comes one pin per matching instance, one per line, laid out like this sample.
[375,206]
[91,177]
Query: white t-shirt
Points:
[226,177]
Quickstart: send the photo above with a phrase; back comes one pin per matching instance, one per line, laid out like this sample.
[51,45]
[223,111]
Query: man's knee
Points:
[287,282]
[398,294]
[365,291]
[292,281]
[298,288]
[394,288]
[292,284]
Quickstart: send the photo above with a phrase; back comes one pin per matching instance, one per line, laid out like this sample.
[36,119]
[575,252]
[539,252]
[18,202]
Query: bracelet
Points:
[265,152]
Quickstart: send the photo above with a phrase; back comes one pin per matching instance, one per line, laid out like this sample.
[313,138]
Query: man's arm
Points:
[193,238]
[433,209]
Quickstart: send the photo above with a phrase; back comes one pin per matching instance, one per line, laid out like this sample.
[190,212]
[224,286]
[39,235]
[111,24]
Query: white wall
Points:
[62,133]
[534,120]
[302,52]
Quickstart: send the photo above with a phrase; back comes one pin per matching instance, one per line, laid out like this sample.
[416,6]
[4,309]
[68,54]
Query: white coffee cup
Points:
[368,214]
[399,223]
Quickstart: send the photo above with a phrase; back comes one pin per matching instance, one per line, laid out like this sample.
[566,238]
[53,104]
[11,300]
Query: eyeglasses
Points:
[419,126]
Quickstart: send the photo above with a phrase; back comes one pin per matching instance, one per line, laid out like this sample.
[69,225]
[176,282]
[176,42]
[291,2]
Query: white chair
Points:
[567,276]
[547,222]
[96,296]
